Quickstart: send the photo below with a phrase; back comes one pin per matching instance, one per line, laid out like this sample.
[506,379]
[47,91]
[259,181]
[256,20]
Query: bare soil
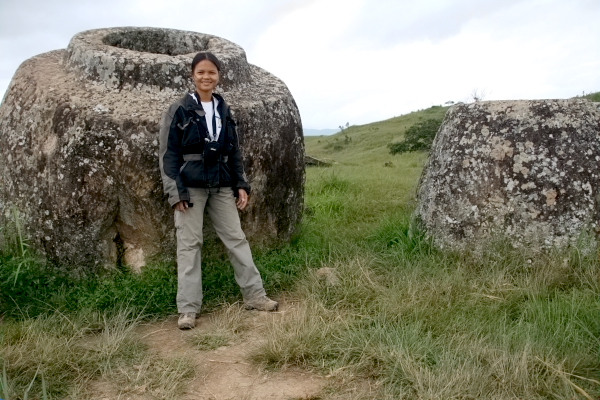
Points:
[225,372]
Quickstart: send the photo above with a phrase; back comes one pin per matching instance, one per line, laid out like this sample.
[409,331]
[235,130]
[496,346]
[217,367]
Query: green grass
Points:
[38,289]
[29,287]
[60,354]
[428,324]
[368,143]
[419,322]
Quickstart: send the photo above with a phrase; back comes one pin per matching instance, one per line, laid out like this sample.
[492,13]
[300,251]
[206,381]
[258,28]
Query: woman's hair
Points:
[206,55]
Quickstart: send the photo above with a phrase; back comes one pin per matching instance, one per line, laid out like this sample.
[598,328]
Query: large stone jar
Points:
[79,144]
[528,171]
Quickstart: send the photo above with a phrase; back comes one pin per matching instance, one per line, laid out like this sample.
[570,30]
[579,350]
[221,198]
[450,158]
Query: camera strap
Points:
[215,135]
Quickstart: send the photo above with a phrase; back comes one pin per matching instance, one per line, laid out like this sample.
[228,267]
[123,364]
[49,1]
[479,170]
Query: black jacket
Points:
[183,139]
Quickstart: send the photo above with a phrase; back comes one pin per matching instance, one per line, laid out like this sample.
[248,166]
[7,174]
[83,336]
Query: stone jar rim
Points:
[138,57]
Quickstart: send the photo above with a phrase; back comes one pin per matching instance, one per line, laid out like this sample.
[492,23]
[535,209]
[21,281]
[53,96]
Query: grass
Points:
[154,377]
[418,322]
[426,324]
[60,355]
[229,324]
[380,309]
[66,351]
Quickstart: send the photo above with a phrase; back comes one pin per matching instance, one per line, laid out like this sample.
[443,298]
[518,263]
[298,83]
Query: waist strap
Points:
[200,157]
[193,157]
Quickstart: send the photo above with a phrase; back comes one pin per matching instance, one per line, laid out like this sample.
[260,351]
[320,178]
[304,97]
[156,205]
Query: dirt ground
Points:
[226,372]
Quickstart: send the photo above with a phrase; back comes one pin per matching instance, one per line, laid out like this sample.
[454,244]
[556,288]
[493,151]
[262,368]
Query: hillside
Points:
[593,96]
[377,183]
[360,144]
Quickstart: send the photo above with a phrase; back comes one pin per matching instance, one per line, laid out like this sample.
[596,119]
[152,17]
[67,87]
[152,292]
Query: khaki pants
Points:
[220,205]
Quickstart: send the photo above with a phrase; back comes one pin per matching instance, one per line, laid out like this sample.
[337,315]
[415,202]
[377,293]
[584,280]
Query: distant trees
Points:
[418,137]
[342,127]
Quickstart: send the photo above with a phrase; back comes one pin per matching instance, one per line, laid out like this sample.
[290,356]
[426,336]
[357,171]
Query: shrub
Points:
[418,137]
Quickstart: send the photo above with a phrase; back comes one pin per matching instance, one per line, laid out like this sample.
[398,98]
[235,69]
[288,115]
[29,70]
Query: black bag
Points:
[212,153]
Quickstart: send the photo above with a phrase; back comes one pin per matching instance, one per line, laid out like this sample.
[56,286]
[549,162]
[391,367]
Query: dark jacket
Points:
[183,138]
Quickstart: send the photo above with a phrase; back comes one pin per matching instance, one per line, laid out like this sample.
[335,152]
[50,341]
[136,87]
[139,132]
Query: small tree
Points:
[342,127]
[418,137]
[478,94]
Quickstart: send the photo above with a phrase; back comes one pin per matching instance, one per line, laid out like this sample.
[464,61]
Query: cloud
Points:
[533,49]
[355,61]
[386,22]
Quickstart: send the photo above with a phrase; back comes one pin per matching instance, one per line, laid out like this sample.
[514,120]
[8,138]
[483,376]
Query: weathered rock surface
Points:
[79,144]
[527,170]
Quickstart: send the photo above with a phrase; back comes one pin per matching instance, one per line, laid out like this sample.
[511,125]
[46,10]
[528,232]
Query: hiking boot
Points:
[187,320]
[262,303]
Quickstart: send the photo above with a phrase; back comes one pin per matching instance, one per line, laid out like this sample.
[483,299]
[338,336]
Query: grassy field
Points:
[383,312]
[417,322]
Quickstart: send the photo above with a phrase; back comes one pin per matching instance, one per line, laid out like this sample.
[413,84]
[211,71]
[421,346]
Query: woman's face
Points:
[205,76]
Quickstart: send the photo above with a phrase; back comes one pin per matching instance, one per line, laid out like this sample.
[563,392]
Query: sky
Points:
[355,61]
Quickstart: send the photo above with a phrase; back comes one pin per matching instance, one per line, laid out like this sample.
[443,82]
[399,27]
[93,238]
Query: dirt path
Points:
[225,372]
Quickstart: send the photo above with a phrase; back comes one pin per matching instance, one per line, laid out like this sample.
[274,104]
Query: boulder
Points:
[315,162]
[79,145]
[524,170]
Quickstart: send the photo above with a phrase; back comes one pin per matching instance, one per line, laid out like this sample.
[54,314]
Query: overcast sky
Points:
[355,61]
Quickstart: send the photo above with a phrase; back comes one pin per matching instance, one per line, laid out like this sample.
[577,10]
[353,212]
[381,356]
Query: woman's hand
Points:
[181,206]
[242,200]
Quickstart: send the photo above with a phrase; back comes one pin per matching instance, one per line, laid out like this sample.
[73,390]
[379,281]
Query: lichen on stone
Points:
[526,170]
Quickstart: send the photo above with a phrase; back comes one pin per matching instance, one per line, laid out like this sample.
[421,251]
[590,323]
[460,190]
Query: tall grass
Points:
[57,355]
[29,287]
[66,350]
[429,324]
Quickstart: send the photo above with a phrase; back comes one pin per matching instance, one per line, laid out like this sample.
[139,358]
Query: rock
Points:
[329,275]
[79,144]
[315,162]
[525,170]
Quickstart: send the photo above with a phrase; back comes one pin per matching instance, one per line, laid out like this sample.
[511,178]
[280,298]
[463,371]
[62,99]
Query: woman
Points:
[201,168]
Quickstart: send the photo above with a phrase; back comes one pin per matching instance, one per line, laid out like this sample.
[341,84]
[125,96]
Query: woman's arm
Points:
[170,157]
[236,164]
[181,206]
[242,200]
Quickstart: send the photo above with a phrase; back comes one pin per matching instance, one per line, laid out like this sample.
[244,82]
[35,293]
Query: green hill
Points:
[376,183]
[367,144]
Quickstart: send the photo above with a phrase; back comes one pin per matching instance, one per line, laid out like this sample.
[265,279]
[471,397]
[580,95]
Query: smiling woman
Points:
[201,167]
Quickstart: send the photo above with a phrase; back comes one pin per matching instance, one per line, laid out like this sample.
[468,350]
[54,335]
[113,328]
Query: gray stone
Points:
[315,162]
[79,144]
[329,275]
[525,170]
